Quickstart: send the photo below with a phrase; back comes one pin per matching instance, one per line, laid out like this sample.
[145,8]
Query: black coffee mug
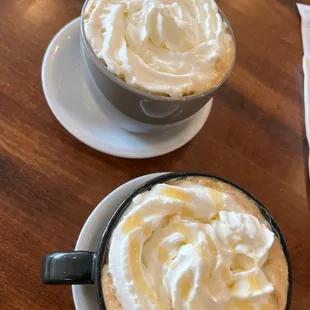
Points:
[83,267]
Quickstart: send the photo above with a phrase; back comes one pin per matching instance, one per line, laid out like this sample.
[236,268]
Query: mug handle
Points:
[69,268]
[158,110]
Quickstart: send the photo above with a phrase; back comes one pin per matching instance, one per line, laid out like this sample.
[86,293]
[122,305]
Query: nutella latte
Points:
[196,243]
[166,47]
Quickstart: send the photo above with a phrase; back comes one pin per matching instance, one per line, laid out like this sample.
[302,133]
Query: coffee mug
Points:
[139,105]
[81,267]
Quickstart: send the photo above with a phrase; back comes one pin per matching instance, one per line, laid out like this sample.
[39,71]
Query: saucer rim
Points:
[83,135]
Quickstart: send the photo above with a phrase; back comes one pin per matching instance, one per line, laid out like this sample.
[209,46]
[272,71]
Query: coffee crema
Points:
[173,48]
[194,244]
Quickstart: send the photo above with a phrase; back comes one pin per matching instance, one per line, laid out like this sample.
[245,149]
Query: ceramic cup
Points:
[85,267]
[139,105]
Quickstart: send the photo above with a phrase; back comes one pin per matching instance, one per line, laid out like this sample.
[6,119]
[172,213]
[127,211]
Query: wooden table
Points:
[50,182]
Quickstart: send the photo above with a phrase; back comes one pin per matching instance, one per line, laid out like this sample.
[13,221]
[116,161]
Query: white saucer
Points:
[67,91]
[84,296]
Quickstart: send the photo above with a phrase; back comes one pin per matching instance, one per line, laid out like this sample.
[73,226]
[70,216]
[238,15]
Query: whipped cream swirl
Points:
[189,247]
[168,47]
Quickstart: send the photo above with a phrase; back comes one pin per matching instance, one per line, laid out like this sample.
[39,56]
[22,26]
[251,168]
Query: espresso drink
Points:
[194,244]
[173,48]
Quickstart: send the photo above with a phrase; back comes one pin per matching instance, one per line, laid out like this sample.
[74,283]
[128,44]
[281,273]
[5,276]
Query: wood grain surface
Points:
[50,182]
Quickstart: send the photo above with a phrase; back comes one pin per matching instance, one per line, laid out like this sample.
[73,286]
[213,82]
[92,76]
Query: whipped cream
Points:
[169,47]
[189,247]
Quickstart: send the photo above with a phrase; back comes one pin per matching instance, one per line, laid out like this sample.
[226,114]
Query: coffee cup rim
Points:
[144,93]
[103,248]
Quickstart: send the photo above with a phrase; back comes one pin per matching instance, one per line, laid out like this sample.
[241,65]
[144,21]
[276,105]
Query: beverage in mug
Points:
[168,48]
[195,243]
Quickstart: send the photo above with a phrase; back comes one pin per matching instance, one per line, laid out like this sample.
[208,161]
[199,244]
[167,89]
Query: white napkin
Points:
[304,11]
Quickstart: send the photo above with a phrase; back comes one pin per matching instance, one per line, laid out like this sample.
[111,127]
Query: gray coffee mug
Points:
[140,106]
